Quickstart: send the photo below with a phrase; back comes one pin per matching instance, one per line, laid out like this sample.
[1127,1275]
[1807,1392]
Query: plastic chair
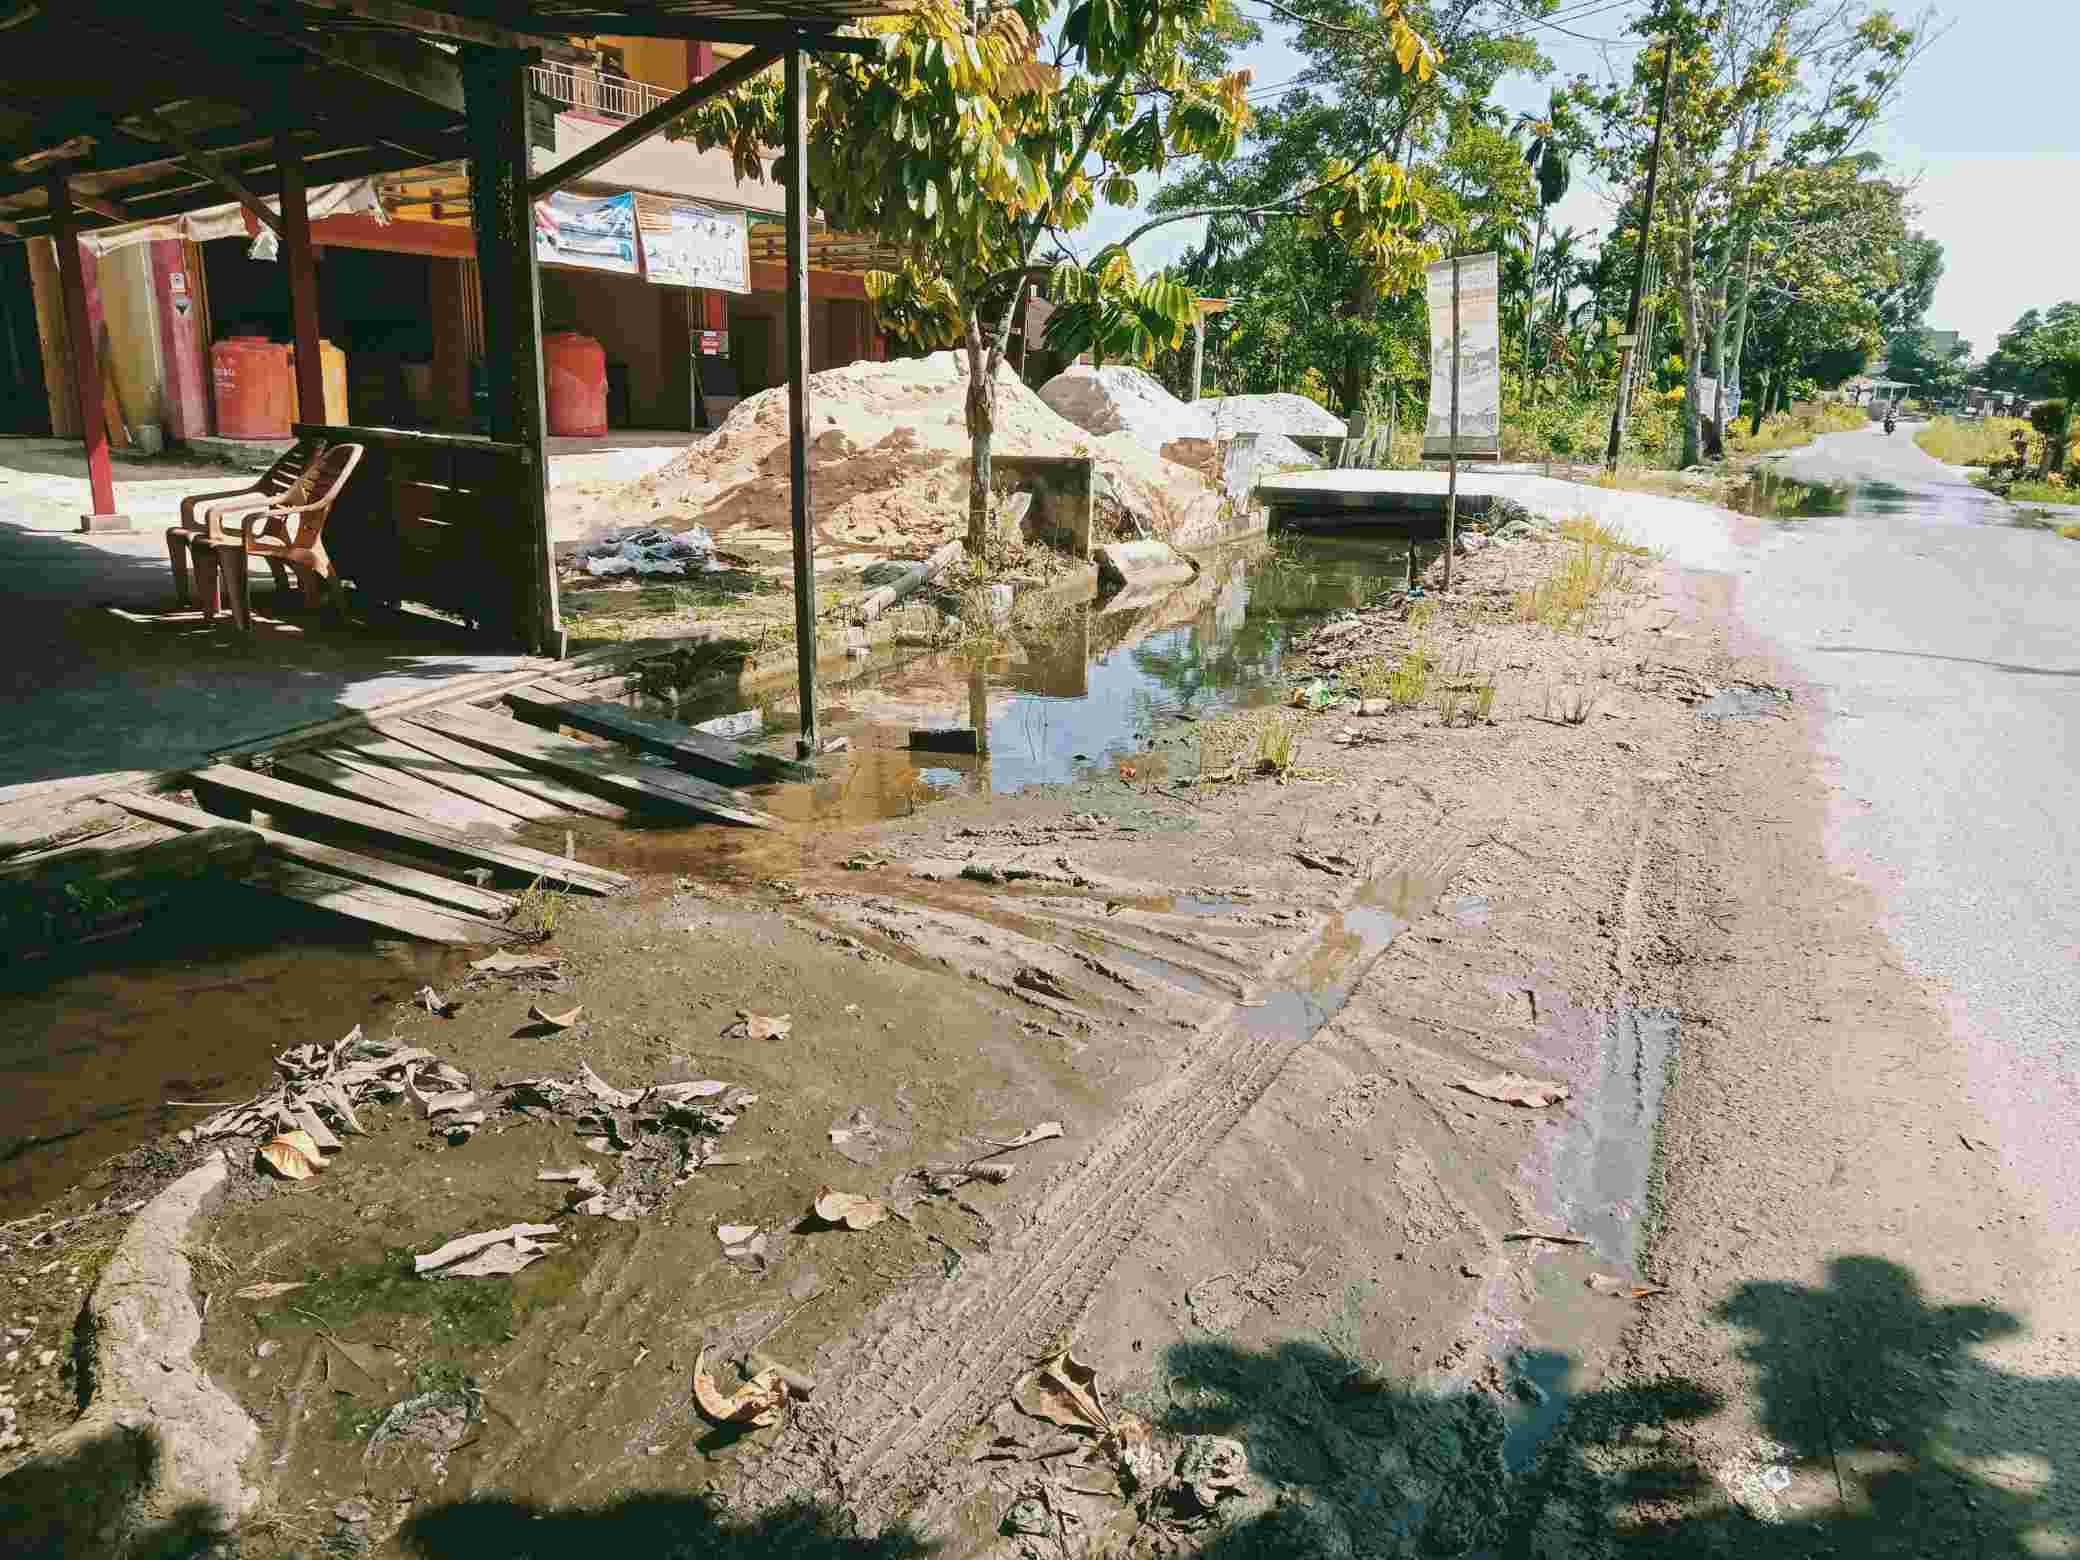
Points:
[283,483]
[286,535]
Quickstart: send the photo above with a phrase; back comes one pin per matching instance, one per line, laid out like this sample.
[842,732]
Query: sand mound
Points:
[1280,413]
[1127,402]
[889,459]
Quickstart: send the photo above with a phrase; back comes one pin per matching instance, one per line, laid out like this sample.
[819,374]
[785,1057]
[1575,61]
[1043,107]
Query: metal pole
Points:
[1646,238]
[798,395]
[86,359]
[1451,502]
[1198,351]
[303,281]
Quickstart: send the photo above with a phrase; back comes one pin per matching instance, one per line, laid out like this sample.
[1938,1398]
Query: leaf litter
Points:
[849,1209]
[1514,1089]
[488,1254]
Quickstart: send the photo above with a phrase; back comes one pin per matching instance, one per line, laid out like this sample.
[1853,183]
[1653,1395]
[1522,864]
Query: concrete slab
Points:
[1693,535]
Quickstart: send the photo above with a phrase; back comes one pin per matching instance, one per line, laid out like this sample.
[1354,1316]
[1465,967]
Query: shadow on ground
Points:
[656,1526]
[1890,1438]
[82,1504]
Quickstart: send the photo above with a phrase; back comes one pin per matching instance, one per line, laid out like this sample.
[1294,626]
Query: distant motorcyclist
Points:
[1891,419]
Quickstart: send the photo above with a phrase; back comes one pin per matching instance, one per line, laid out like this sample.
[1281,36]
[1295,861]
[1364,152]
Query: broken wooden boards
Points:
[587,764]
[428,886]
[713,758]
[411,834]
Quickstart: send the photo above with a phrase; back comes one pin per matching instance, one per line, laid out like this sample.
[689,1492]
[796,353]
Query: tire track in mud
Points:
[925,1368]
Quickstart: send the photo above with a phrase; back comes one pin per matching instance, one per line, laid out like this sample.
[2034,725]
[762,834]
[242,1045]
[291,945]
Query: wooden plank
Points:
[429,886]
[378,907]
[513,861]
[392,754]
[589,765]
[398,792]
[566,798]
[223,848]
[712,758]
[416,783]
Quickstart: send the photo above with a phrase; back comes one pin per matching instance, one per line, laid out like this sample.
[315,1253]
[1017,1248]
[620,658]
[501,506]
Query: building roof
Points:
[143,104]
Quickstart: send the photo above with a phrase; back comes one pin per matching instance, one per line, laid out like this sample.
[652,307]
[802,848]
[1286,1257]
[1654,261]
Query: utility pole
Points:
[1639,276]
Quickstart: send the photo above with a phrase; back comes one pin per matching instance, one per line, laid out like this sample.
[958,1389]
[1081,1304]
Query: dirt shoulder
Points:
[1274,1214]
[1839,1365]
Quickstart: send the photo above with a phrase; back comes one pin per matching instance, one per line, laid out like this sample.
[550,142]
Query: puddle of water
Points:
[1742,703]
[192,1006]
[1770,495]
[1540,1388]
[1606,1160]
[1097,689]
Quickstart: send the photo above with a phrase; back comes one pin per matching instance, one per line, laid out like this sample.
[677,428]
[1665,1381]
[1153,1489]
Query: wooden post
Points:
[303,281]
[495,85]
[86,361]
[1451,501]
[797,110]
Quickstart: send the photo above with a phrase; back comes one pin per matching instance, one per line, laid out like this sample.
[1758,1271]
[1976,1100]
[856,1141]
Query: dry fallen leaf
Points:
[1064,1391]
[758,1401]
[267,1291]
[1561,1238]
[503,963]
[760,1026]
[1039,1134]
[849,1209]
[1624,1290]
[554,1020]
[522,1236]
[1515,1089]
[293,1156]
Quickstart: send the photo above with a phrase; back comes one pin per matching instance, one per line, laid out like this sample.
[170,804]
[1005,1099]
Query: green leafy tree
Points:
[1758,94]
[975,141]
[1344,314]
[2053,357]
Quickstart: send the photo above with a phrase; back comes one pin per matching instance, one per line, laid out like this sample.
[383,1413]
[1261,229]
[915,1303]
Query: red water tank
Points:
[254,389]
[575,367]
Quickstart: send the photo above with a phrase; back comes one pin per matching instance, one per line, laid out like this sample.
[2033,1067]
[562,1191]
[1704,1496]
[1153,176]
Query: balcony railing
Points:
[587,91]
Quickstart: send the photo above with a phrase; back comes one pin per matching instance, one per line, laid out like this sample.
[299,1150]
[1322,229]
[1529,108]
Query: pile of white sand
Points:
[889,461]
[1121,400]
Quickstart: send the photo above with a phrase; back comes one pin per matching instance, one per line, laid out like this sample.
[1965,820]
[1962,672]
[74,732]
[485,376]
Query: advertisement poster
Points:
[597,232]
[1480,358]
[685,245]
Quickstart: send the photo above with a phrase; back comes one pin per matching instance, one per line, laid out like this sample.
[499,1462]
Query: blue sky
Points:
[1987,129]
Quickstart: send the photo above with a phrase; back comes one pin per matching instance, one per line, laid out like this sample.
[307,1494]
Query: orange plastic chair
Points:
[290,535]
[282,483]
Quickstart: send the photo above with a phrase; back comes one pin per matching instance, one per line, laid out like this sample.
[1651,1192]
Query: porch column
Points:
[495,90]
[797,110]
[303,281]
[86,361]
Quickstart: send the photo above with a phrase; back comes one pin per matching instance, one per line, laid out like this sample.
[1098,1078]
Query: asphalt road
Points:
[1947,640]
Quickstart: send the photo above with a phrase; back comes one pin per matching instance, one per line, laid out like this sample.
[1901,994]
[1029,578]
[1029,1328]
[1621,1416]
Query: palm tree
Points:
[1548,160]
[1564,263]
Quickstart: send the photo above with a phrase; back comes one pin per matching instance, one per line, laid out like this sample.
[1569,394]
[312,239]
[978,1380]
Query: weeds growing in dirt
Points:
[536,910]
[1572,703]
[1465,696]
[1977,443]
[1597,560]
[1275,739]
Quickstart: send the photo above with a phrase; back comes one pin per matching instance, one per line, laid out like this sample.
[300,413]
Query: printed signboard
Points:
[1479,357]
[686,245]
[595,232]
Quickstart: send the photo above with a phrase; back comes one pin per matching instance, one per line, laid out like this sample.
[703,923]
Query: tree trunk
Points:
[1531,304]
[1693,334]
[1737,363]
[1759,404]
[982,423]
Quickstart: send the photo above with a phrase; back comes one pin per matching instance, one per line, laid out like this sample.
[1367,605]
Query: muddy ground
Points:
[1273,1214]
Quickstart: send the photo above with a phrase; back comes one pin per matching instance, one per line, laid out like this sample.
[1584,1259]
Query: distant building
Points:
[1942,343]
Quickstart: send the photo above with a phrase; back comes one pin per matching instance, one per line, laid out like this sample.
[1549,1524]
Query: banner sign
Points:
[685,245]
[596,232]
[1708,395]
[1480,358]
